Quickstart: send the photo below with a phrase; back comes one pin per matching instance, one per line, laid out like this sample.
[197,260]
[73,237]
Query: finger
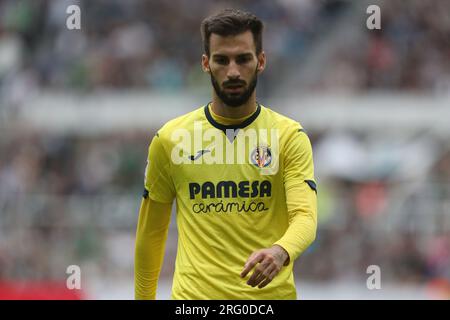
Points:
[257,281]
[264,275]
[251,262]
[252,257]
[261,269]
[265,282]
[268,279]
[249,266]
[253,277]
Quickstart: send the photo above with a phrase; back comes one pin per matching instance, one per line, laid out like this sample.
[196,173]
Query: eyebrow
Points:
[241,55]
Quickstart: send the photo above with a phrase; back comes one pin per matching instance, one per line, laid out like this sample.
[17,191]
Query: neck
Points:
[221,109]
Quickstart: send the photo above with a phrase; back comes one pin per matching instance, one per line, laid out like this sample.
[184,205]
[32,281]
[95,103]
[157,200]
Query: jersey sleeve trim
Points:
[312,185]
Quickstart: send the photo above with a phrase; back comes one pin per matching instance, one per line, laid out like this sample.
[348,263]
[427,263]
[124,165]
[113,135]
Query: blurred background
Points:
[78,109]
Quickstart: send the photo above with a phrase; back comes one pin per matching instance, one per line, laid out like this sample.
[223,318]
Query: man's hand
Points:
[270,260]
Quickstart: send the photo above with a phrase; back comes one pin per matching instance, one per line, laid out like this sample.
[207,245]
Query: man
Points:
[243,180]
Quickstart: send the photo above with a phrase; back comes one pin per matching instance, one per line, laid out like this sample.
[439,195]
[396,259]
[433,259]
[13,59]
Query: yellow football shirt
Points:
[238,188]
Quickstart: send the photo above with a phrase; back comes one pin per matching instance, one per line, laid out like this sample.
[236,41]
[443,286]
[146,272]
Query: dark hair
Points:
[231,22]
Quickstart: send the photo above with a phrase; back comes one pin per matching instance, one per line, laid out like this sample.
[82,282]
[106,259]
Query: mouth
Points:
[234,88]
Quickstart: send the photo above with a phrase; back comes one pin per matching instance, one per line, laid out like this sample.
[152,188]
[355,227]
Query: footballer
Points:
[242,176]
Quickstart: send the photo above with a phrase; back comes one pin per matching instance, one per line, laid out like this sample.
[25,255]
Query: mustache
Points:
[233,83]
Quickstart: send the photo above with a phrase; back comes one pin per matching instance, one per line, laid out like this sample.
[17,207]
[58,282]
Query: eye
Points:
[243,59]
[221,60]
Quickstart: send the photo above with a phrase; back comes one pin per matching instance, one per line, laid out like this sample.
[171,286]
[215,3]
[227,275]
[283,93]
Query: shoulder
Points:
[285,124]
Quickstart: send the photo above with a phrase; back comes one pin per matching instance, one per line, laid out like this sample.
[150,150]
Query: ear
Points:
[205,63]
[261,61]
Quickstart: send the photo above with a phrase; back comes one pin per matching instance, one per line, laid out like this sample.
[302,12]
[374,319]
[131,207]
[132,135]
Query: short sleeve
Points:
[158,181]
[298,163]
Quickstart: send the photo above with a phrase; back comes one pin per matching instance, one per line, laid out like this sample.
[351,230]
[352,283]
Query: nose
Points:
[233,71]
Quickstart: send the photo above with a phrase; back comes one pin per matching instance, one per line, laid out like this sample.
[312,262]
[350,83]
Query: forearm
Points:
[151,235]
[302,209]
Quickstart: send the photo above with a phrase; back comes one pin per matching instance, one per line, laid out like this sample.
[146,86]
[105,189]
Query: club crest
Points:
[261,156]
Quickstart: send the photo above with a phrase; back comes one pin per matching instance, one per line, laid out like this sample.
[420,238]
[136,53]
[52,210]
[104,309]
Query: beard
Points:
[233,99]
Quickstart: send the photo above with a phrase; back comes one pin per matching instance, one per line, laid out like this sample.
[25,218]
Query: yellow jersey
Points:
[231,184]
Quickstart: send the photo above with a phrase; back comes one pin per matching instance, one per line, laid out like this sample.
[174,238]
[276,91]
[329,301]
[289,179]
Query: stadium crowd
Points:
[411,52]
[139,44]
[157,45]
[50,183]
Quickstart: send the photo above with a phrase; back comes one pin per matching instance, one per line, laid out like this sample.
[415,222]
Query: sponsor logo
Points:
[217,193]
[230,189]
